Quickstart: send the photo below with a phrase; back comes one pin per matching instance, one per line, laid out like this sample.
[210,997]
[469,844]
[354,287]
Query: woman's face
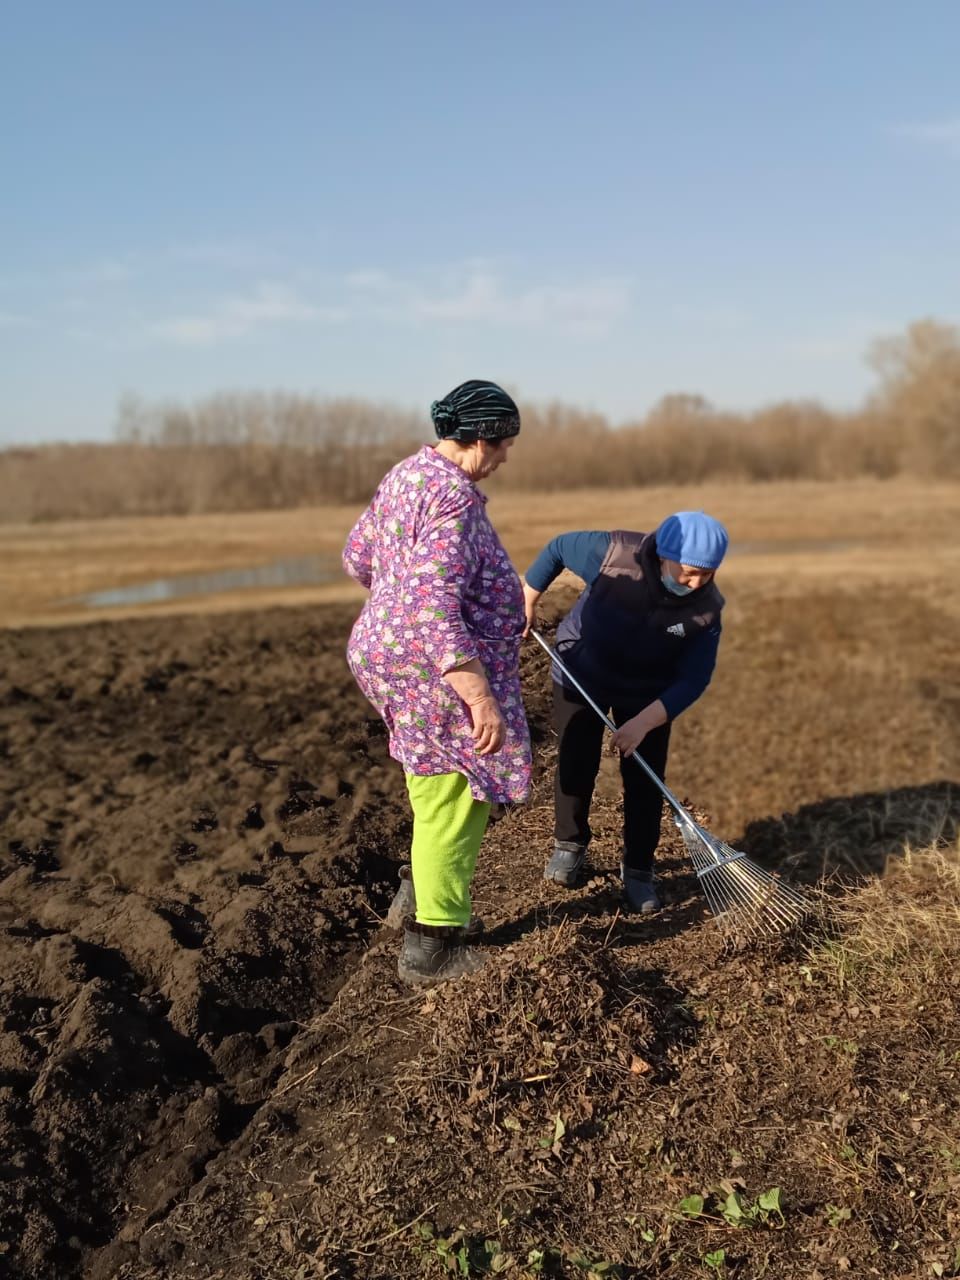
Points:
[491,455]
[687,575]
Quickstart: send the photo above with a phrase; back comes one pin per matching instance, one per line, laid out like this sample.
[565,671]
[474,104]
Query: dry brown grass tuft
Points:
[896,938]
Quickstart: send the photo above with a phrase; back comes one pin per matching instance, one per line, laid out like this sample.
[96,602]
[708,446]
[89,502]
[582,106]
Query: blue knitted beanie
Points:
[692,538]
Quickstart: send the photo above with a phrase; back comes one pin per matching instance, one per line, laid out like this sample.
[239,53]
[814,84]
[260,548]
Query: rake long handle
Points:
[651,773]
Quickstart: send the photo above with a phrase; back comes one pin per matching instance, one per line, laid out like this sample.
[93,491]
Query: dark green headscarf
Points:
[475,411]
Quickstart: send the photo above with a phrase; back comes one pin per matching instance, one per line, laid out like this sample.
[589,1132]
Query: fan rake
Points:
[746,900]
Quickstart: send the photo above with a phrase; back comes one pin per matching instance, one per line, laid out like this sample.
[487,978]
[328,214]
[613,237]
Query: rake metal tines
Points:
[743,897]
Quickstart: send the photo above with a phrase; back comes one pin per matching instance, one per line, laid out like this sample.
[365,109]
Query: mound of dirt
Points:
[606,1096]
[209,1068]
[201,839]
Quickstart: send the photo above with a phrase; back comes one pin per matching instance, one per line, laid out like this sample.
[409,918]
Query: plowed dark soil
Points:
[208,1067]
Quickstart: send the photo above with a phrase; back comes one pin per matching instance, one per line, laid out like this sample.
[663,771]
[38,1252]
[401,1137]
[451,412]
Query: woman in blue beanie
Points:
[642,639]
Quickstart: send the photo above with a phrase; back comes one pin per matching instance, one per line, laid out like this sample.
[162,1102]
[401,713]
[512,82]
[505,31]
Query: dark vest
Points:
[624,637]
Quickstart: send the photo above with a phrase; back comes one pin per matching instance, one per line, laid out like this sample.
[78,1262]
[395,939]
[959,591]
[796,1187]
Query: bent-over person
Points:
[642,639]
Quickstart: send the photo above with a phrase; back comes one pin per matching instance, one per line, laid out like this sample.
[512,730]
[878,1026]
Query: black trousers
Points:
[580,731]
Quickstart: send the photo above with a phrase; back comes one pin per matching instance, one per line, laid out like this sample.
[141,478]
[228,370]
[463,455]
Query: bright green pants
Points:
[448,826]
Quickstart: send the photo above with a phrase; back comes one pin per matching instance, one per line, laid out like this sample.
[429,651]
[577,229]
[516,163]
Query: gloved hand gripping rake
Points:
[744,898]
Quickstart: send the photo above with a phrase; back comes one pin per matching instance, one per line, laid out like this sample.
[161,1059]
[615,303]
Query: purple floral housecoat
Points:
[442,591]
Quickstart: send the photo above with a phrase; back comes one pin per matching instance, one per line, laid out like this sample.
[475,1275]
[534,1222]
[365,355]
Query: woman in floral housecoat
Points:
[436,650]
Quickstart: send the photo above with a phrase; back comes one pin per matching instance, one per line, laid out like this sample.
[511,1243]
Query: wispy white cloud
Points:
[720,318]
[117,270]
[482,296]
[14,320]
[846,340]
[230,254]
[940,133]
[237,316]
[476,292]
[369,279]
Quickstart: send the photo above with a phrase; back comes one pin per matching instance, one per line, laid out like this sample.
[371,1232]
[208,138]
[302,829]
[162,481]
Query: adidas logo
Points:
[676,629]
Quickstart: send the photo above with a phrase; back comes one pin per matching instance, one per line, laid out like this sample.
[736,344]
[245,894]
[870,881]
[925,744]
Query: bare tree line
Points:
[246,451]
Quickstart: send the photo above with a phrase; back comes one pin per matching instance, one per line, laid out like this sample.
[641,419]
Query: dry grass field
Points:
[838,669]
[207,1065]
[789,532]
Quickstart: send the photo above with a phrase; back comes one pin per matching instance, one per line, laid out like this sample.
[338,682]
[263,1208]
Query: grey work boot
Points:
[639,890]
[404,906]
[566,863]
[435,953]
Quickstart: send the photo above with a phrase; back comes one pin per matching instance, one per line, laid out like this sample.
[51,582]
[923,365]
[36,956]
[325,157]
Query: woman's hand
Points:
[470,683]
[629,736]
[530,598]
[489,726]
[632,732]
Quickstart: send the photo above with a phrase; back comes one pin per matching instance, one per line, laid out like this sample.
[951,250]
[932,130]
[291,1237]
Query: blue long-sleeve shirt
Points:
[583,552]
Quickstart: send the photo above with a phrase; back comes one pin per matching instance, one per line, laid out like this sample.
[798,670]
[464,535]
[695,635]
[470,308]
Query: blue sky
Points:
[600,203]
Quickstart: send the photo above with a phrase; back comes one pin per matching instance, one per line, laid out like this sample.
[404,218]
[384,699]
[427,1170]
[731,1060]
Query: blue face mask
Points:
[673,586]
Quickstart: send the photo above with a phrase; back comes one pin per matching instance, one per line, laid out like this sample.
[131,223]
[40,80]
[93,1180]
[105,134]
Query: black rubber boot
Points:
[404,906]
[434,953]
[639,890]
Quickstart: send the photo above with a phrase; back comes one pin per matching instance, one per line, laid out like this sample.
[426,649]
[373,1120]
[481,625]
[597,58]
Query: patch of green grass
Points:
[845,1046]
[468,1256]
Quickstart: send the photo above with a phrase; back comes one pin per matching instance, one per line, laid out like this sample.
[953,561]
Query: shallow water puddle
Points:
[297,571]
[316,570]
